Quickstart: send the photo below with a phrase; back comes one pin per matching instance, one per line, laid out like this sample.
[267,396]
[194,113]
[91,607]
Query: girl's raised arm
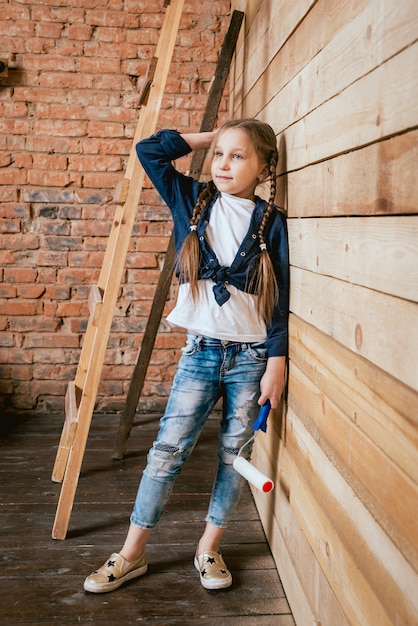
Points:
[199,141]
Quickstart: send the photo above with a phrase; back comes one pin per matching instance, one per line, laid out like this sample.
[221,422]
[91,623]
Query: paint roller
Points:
[244,467]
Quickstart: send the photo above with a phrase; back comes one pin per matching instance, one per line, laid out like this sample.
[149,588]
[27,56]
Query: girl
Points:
[232,263]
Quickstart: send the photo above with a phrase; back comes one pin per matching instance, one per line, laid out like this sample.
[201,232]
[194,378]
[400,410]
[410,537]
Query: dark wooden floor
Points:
[41,580]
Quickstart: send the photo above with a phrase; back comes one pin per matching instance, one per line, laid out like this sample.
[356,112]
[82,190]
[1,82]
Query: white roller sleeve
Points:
[252,474]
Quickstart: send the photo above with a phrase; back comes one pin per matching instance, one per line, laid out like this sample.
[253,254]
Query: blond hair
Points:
[263,283]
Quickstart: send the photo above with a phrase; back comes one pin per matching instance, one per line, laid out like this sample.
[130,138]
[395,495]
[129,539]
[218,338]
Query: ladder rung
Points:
[95,304]
[71,410]
[121,191]
[148,78]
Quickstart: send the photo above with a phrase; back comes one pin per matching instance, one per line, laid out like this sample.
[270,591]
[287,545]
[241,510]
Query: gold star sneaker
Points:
[214,574]
[114,573]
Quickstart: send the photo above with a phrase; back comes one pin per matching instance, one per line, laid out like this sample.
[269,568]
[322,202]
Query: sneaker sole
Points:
[105,587]
[217,584]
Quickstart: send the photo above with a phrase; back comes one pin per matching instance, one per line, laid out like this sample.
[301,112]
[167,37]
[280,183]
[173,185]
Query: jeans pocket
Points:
[258,353]
[192,345]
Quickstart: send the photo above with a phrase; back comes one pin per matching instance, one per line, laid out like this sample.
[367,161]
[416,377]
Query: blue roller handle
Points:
[261,421]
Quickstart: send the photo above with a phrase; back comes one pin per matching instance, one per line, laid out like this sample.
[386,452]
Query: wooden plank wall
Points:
[338,81]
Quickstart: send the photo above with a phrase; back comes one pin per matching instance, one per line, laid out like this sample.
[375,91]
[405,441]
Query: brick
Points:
[76,276]
[151,21]
[110,49]
[66,80]
[51,340]
[69,213]
[49,195]
[105,129]
[11,356]
[87,227]
[87,196]
[62,243]
[53,178]
[53,144]
[140,277]
[52,258]
[72,309]
[13,176]
[3,323]
[38,95]
[135,293]
[115,114]
[49,162]
[50,404]
[40,46]
[21,372]
[6,258]
[95,163]
[19,241]
[143,6]
[49,387]
[169,340]
[135,67]
[41,14]
[66,47]
[80,292]
[7,194]
[48,29]
[7,291]
[13,307]
[18,126]
[7,339]
[59,112]
[48,62]
[14,12]
[86,259]
[28,324]
[46,371]
[65,128]
[50,355]
[78,326]
[81,32]
[101,180]
[20,275]
[30,291]
[112,18]
[154,244]
[6,387]
[23,160]
[55,227]
[5,159]
[47,275]
[99,66]
[9,226]
[57,292]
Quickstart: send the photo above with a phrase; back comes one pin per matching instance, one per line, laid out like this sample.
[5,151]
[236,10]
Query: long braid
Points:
[188,258]
[265,282]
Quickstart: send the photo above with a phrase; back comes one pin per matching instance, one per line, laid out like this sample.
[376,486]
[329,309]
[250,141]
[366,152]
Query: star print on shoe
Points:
[114,573]
[214,574]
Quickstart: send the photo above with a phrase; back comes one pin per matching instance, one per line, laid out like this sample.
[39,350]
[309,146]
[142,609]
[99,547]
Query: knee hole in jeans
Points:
[166,447]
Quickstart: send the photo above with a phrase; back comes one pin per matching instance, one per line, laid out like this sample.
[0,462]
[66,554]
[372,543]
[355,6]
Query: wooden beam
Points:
[208,122]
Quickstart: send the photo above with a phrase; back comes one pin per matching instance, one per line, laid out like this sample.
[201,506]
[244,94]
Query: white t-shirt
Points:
[237,319]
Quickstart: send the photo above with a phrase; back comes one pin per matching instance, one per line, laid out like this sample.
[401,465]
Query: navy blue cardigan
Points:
[180,192]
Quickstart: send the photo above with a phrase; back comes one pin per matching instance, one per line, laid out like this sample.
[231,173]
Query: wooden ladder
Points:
[81,393]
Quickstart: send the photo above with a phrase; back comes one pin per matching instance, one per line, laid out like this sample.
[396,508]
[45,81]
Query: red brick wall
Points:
[68,112]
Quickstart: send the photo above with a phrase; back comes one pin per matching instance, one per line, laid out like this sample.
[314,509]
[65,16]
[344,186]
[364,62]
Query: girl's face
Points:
[236,167]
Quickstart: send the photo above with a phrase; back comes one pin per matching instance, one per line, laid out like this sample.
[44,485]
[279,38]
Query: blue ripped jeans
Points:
[208,370]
